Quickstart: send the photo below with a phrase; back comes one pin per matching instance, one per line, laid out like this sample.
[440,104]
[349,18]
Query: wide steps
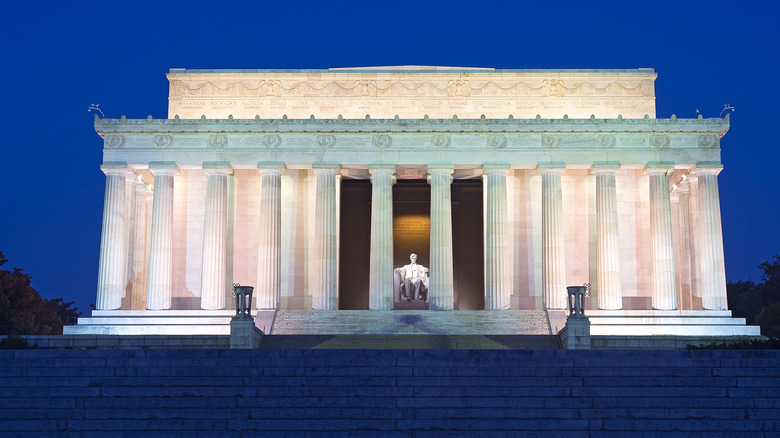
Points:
[411,322]
[405,393]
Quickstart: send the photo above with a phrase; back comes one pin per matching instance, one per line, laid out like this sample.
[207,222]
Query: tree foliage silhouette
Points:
[759,303]
[24,312]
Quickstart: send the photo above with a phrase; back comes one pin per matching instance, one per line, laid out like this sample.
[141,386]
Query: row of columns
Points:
[116,238]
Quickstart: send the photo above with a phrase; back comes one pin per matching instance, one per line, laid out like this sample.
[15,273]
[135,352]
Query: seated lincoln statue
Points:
[412,280]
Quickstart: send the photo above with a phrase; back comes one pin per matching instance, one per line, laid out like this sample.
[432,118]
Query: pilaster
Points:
[663,286]
[497,280]
[683,245]
[268,290]
[441,294]
[161,244]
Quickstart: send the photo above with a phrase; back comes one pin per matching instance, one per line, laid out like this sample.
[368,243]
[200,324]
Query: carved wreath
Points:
[163,141]
[382,141]
[497,141]
[272,140]
[326,141]
[115,141]
[708,141]
[605,140]
[217,141]
[659,141]
[551,141]
[441,141]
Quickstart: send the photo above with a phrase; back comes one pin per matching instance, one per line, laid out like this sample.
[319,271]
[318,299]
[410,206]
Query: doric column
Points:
[609,291]
[441,295]
[380,287]
[664,292]
[161,245]
[111,271]
[713,270]
[553,249]
[130,180]
[325,292]
[683,245]
[212,284]
[695,236]
[268,290]
[143,201]
[497,287]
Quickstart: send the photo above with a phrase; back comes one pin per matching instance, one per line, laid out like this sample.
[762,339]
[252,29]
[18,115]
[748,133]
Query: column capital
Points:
[163,168]
[708,169]
[495,168]
[384,169]
[605,168]
[683,187]
[658,168]
[115,169]
[217,168]
[551,168]
[325,169]
[441,169]
[271,167]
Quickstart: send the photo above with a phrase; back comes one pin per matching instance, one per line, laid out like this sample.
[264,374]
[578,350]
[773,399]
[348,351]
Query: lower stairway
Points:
[389,393]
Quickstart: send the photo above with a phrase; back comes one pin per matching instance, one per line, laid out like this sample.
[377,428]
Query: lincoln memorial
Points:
[316,186]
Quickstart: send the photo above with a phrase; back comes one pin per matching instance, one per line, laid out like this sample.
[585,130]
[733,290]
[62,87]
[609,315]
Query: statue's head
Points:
[413,257]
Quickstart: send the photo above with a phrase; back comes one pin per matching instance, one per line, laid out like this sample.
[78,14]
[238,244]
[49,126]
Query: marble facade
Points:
[241,184]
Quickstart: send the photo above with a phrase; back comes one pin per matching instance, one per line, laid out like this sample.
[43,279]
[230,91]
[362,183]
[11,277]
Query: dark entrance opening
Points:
[411,233]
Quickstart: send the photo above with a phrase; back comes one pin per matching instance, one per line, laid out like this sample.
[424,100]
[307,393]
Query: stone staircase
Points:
[389,393]
[410,322]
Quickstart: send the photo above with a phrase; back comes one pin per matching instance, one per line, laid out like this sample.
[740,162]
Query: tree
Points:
[24,312]
[759,303]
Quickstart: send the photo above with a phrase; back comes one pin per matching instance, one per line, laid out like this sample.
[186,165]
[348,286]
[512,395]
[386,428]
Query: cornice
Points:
[648,125]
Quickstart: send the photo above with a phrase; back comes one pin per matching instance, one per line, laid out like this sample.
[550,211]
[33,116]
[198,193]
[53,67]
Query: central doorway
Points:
[411,233]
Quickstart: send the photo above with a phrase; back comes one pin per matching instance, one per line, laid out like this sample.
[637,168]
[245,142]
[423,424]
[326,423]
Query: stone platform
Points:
[699,323]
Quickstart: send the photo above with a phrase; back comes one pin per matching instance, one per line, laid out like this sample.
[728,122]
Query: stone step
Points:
[481,322]
[283,392]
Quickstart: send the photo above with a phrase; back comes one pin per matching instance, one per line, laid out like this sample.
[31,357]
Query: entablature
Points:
[516,141]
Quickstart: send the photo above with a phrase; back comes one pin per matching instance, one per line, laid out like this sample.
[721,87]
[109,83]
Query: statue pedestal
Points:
[244,334]
[411,305]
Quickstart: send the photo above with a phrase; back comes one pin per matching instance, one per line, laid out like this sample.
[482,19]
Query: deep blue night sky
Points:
[59,58]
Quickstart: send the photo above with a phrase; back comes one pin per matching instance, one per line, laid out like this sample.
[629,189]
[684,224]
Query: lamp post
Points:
[243,296]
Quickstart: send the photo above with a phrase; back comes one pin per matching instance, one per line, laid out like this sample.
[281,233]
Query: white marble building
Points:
[243,182]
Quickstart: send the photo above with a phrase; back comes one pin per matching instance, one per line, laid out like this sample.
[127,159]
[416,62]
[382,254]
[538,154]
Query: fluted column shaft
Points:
[214,262]
[113,253]
[268,290]
[684,245]
[380,287]
[693,208]
[497,286]
[325,292]
[553,248]
[140,242]
[441,295]
[663,288]
[130,181]
[609,291]
[161,244]
[713,270]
